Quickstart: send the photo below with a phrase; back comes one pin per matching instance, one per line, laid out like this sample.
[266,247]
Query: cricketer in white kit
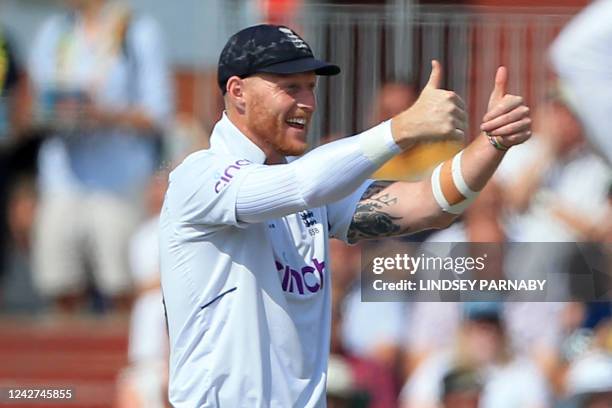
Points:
[251,301]
[244,232]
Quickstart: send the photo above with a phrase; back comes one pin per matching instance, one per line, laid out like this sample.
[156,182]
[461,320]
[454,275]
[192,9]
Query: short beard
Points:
[269,129]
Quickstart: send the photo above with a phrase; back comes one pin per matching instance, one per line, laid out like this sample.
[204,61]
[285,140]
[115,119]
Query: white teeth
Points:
[297,121]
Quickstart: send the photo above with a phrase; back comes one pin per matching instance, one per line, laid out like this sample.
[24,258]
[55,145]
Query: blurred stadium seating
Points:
[84,355]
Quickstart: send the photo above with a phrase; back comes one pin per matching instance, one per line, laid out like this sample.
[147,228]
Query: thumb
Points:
[501,86]
[435,78]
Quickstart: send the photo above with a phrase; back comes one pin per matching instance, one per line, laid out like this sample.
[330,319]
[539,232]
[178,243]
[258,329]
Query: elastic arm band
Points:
[458,179]
[460,184]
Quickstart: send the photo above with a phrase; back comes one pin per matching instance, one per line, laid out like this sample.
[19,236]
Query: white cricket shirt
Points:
[248,305]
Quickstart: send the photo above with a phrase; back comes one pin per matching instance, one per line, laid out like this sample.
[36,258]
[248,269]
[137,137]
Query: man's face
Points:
[279,109]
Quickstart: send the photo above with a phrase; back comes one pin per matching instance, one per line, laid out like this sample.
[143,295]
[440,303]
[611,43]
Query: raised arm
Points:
[396,208]
[335,170]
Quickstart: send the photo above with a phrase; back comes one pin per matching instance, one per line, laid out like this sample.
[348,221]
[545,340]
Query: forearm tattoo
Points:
[371,219]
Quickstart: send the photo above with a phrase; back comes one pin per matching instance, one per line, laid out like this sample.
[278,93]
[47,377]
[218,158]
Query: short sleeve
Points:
[203,190]
[340,213]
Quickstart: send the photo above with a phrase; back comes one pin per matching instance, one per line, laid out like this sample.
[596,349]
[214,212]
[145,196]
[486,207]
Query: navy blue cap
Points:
[268,48]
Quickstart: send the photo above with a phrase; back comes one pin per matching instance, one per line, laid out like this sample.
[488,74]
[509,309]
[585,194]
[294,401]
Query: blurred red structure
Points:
[84,355]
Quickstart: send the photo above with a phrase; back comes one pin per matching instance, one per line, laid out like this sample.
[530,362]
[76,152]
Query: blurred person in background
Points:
[461,388]
[527,336]
[424,321]
[8,84]
[341,389]
[102,89]
[482,345]
[9,77]
[18,193]
[381,343]
[561,196]
[373,383]
[564,194]
[582,58]
[17,292]
[587,328]
[144,383]
[589,382]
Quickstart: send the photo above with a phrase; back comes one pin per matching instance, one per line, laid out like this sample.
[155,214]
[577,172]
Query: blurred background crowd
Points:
[100,99]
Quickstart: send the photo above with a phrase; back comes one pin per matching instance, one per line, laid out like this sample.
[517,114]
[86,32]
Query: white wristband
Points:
[436,187]
[458,179]
[377,143]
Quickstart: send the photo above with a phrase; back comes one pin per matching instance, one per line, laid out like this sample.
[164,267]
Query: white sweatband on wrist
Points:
[458,179]
[436,187]
[377,143]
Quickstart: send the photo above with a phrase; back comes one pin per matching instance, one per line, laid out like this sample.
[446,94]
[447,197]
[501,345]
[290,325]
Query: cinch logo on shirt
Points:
[229,173]
[307,279]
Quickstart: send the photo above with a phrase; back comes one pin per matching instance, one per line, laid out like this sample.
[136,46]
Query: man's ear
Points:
[235,92]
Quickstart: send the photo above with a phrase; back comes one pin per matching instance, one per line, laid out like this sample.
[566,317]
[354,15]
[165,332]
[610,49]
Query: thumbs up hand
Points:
[507,119]
[435,78]
[500,88]
[436,115]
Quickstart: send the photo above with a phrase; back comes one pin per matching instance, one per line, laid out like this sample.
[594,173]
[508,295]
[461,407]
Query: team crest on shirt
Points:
[308,218]
[310,222]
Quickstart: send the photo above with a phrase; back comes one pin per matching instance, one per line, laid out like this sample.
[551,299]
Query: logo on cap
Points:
[293,37]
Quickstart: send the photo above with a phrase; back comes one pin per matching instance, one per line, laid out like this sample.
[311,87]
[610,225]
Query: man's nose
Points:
[307,100]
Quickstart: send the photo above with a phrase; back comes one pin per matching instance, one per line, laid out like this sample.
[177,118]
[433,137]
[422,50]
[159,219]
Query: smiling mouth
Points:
[297,123]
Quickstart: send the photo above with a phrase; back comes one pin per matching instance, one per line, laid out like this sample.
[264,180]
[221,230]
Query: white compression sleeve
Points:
[324,175]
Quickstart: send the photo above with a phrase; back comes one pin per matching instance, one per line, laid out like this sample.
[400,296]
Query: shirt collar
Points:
[228,138]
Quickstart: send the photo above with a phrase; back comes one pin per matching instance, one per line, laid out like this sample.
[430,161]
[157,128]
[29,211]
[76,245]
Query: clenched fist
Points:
[437,115]
[507,119]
